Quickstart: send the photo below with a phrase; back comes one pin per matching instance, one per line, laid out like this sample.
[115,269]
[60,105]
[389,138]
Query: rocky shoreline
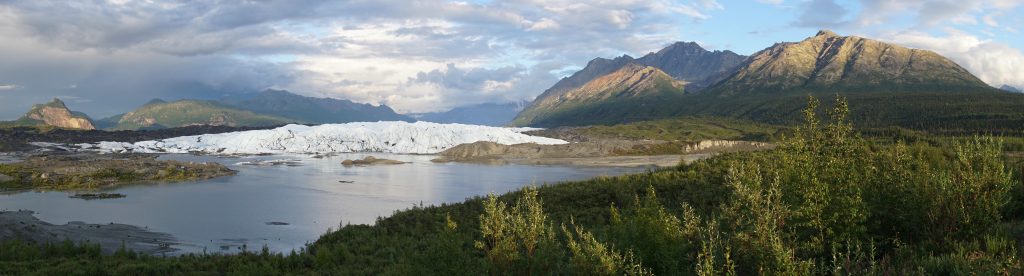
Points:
[23,225]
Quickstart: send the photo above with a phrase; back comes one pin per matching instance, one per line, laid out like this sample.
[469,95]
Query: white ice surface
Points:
[391,137]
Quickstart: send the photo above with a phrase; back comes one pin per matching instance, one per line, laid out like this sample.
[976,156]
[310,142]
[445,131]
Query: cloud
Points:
[123,80]
[8,87]
[993,62]
[930,13]
[130,51]
[990,19]
[822,14]
[710,4]
[196,27]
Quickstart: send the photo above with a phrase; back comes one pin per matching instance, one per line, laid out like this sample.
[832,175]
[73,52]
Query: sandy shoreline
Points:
[25,226]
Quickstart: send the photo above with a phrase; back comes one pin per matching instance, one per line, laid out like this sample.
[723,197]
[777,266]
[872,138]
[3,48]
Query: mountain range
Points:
[830,61]
[485,114]
[684,61]
[618,94]
[1009,88]
[886,85]
[161,114]
[268,108]
[312,110]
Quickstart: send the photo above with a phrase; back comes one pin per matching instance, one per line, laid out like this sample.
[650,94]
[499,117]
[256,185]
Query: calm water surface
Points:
[222,214]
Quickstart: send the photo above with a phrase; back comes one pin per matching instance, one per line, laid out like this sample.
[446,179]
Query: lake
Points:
[221,215]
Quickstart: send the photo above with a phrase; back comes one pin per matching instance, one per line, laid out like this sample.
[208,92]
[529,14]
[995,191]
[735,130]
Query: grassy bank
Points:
[825,202]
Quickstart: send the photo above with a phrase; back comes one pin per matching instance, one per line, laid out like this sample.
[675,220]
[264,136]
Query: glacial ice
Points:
[390,137]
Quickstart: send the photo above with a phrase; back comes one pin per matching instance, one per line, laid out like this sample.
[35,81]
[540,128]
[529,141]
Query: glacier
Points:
[389,137]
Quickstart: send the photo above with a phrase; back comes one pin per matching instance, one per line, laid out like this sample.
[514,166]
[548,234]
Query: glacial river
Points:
[221,215]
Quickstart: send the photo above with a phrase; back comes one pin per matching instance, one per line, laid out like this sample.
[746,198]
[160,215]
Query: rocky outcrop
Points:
[55,113]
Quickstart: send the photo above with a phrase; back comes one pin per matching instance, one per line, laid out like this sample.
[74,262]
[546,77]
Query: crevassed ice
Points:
[391,137]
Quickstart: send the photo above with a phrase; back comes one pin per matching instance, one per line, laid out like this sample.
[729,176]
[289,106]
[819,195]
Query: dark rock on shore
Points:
[370,160]
[91,196]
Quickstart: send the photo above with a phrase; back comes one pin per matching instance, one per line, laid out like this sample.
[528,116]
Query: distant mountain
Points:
[621,95]
[836,63]
[160,114]
[684,61]
[1008,88]
[486,114]
[595,68]
[313,110]
[53,113]
[689,62]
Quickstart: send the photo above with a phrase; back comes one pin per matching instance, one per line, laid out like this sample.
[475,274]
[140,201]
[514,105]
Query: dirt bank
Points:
[25,226]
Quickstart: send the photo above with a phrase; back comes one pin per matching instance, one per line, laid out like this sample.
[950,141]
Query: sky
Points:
[105,57]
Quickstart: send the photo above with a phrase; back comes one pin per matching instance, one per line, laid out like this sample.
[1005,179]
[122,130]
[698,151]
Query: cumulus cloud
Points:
[993,62]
